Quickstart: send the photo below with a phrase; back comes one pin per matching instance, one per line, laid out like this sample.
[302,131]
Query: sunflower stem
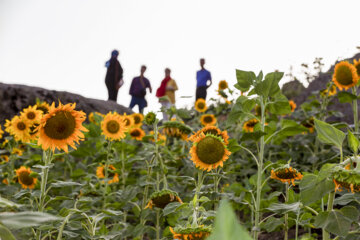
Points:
[196,198]
[157,224]
[123,177]
[106,173]
[286,225]
[355,109]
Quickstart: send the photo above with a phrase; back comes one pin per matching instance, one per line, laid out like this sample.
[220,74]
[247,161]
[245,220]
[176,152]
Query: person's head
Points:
[143,69]
[202,62]
[167,72]
[115,53]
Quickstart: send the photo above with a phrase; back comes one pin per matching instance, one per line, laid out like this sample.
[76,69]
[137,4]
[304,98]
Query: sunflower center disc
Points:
[201,105]
[285,175]
[60,126]
[210,150]
[110,174]
[112,126]
[344,76]
[21,126]
[127,122]
[136,120]
[163,200]
[208,119]
[135,133]
[25,178]
[31,115]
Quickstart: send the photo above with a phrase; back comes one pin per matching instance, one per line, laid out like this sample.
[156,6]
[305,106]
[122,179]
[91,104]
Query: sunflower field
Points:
[247,165]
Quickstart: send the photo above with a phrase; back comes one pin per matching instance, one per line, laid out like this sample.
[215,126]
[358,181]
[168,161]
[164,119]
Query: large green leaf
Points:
[244,80]
[227,226]
[345,97]
[313,188]
[7,203]
[26,219]
[353,142]
[270,86]
[272,224]
[280,107]
[329,134]
[284,208]
[5,233]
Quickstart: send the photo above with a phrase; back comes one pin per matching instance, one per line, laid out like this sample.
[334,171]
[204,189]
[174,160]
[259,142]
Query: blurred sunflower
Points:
[43,106]
[138,119]
[346,179]
[191,233]
[249,125]
[292,105]
[208,119]
[17,151]
[24,178]
[5,181]
[4,158]
[137,133]
[20,129]
[357,66]
[345,75]
[208,152]
[92,118]
[161,137]
[113,126]
[61,127]
[200,105]
[150,118]
[7,126]
[211,130]
[286,174]
[309,124]
[32,114]
[100,173]
[129,121]
[162,198]
[176,129]
[328,92]
[223,85]
[1,132]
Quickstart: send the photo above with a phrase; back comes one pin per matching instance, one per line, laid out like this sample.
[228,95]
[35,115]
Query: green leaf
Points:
[313,188]
[170,208]
[279,107]
[183,113]
[284,208]
[226,224]
[347,198]
[353,142]
[59,184]
[329,134]
[270,86]
[244,80]
[5,233]
[7,203]
[256,135]
[345,97]
[26,219]
[272,224]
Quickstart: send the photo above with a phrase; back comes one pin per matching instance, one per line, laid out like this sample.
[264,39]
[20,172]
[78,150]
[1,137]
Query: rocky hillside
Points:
[14,97]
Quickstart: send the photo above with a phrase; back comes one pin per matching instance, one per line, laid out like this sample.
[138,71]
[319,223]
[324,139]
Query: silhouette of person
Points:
[114,75]
[202,77]
[138,90]
[167,88]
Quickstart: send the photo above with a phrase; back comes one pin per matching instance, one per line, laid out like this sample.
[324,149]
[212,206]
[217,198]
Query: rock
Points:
[292,89]
[14,97]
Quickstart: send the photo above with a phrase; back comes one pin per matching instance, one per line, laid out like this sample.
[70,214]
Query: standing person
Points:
[202,77]
[167,88]
[138,90]
[114,75]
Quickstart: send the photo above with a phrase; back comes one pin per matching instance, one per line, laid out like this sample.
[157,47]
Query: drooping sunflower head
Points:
[129,121]
[176,129]
[249,125]
[286,174]
[191,233]
[357,66]
[162,198]
[32,114]
[111,172]
[150,118]
[309,124]
[20,129]
[211,130]
[24,178]
[61,127]
[223,85]
[137,133]
[160,137]
[138,119]
[113,126]
[328,92]
[292,105]
[345,75]
[348,179]
[209,152]
[200,105]
[208,119]
[43,106]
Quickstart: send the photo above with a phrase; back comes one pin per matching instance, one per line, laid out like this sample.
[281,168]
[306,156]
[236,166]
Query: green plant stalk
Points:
[286,225]
[158,224]
[196,198]
[106,174]
[297,225]
[123,177]
[259,172]
[355,110]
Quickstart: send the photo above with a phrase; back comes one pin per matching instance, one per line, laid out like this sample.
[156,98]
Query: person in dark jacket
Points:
[114,75]
[138,90]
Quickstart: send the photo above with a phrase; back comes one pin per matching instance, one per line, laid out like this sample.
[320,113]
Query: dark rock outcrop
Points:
[292,89]
[14,97]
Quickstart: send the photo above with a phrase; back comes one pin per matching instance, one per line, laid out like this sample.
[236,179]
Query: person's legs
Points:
[132,103]
[142,104]
[165,105]
[201,92]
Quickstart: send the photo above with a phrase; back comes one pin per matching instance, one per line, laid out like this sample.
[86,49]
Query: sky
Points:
[63,45]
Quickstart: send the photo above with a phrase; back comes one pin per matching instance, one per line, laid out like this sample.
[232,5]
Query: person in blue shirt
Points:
[202,77]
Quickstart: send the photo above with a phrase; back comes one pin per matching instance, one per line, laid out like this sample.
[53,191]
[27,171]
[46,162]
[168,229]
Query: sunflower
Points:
[43,106]
[162,198]
[309,124]
[161,137]
[208,119]
[32,114]
[249,125]
[100,173]
[286,174]
[292,105]
[150,118]
[208,152]
[138,119]
[24,178]
[1,132]
[61,127]
[7,126]
[345,75]
[200,105]
[91,116]
[357,66]
[176,129]
[223,85]
[346,179]
[211,130]
[17,151]
[20,129]
[113,126]
[191,233]
[129,121]
[4,158]
[137,133]
[5,181]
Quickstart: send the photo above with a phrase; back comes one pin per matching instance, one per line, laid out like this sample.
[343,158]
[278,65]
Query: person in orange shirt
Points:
[166,93]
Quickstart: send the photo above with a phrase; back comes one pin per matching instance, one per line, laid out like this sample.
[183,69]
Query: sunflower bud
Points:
[150,118]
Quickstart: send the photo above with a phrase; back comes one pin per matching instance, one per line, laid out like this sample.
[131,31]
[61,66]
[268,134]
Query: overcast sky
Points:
[63,45]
